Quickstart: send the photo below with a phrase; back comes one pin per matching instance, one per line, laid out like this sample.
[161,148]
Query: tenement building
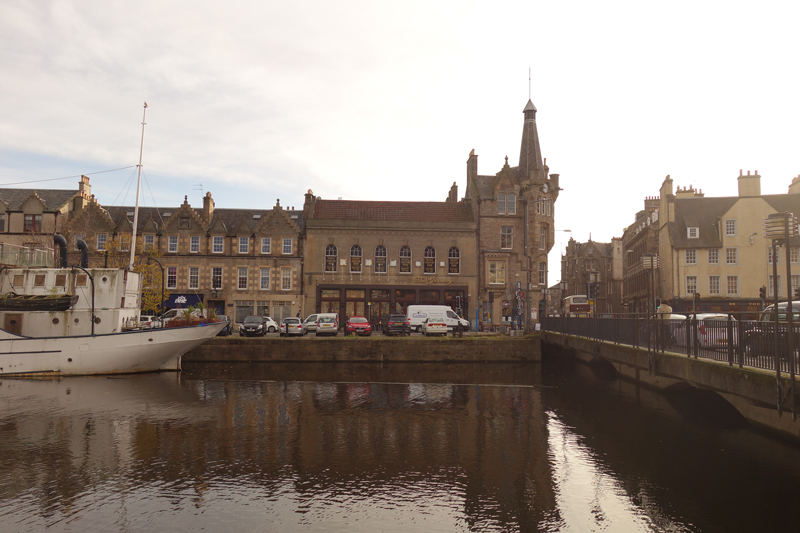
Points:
[640,273]
[713,254]
[514,210]
[239,261]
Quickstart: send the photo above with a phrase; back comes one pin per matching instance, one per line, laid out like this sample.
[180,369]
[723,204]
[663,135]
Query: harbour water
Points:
[396,448]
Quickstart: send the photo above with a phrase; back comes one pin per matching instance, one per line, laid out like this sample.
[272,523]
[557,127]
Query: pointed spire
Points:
[530,155]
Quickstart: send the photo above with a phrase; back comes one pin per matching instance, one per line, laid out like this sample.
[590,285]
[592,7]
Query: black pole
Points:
[790,315]
[776,339]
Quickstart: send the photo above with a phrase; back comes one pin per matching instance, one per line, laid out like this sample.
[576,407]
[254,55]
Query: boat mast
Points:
[138,186]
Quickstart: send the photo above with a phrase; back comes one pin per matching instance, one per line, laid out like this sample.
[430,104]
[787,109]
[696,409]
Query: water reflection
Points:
[358,448]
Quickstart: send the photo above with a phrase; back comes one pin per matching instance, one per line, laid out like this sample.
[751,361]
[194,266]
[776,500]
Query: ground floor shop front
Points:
[377,302]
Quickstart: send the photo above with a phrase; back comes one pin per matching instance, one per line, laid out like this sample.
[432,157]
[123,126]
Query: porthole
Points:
[104,279]
[55,321]
[97,320]
[77,320]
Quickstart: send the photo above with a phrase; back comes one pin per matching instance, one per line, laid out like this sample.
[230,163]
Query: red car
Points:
[358,325]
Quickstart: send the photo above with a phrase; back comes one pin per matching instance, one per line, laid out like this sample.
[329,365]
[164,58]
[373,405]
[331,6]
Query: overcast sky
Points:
[375,100]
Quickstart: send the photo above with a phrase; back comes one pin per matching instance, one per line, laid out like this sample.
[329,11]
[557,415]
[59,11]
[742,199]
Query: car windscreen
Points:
[327,320]
[252,320]
[358,320]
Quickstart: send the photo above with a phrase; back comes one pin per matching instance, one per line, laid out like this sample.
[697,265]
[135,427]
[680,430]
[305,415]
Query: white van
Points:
[416,315]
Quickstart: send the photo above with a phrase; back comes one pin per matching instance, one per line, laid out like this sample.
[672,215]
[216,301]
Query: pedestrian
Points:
[298,314]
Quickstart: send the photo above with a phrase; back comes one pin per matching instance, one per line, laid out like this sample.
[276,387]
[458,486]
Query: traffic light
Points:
[762,293]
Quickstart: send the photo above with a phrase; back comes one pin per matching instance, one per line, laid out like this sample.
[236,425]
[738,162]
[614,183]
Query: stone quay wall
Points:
[378,350]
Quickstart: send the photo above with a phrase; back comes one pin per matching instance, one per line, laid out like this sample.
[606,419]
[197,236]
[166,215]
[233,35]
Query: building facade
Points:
[597,263]
[515,213]
[641,285]
[372,259]
[714,257]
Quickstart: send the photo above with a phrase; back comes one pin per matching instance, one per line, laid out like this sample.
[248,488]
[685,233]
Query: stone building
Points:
[715,248]
[595,262]
[641,285]
[239,261]
[514,210]
[30,217]
[374,258]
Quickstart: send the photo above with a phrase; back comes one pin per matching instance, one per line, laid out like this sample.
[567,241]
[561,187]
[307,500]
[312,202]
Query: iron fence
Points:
[751,343]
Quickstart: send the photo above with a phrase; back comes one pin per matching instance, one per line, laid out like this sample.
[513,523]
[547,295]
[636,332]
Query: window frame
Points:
[290,243]
[380,260]
[172,244]
[734,251]
[241,278]
[194,244]
[194,278]
[265,281]
[495,271]
[335,258]
[217,244]
[284,278]
[506,237]
[690,261]
[731,229]
[172,277]
[244,245]
[216,278]
[101,239]
[266,245]
[501,203]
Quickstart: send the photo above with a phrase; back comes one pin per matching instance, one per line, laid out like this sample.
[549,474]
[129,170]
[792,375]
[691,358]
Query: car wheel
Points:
[272,329]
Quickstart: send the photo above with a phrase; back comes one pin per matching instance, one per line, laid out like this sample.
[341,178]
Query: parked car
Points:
[272,326]
[327,324]
[252,325]
[310,323]
[149,321]
[434,326]
[396,325]
[759,340]
[358,325]
[227,330]
[292,326]
[711,330]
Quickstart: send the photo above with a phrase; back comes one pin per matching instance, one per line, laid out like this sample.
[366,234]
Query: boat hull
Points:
[114,353]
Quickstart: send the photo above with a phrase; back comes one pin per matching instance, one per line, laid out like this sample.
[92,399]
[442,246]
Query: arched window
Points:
[355,258]
[512,204]
[501,204]
[430,260]
[405,259]
[380,259]
[330,258]
[454,261]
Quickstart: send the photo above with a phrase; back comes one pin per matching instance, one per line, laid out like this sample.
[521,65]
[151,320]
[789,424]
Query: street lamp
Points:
[650,262]
[781,227]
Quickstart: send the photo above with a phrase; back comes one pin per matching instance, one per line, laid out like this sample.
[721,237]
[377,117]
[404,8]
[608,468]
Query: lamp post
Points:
[650,262]
[161,303]
[781,227]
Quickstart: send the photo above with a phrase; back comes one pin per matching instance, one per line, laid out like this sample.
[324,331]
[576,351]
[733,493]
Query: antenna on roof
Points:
[529,83]
[199,187]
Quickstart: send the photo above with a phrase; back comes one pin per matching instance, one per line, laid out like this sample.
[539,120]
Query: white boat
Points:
[71,343]
[98,334]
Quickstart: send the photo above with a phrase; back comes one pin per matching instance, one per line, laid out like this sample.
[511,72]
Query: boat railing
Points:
[25,256]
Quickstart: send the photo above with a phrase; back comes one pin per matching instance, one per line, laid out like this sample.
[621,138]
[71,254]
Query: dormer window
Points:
[693,233]
[501,204]
[512,204]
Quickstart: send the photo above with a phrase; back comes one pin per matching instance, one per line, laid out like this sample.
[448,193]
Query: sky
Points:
[258,102]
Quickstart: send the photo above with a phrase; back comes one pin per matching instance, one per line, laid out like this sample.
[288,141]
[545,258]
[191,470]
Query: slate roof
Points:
[229,217]
[53,198]
[705,213]
[392,211]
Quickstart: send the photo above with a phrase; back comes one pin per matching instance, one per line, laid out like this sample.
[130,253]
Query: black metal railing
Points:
[742,343]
